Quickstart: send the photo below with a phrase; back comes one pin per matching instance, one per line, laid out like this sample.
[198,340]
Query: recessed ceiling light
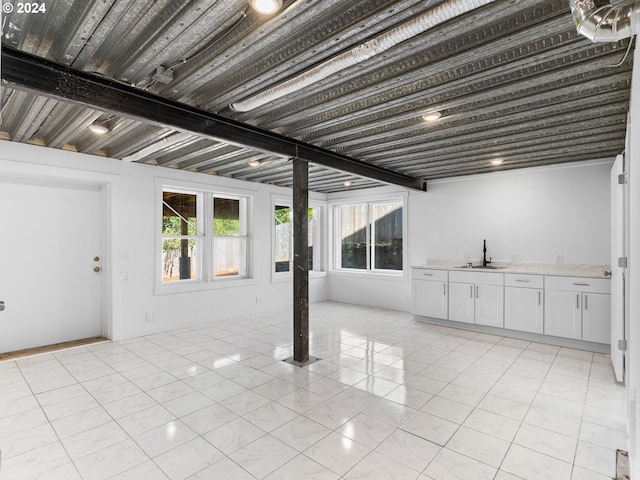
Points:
[254,163]
[266,7]
[99,128]
[348,183]
[497,161]
[431,116]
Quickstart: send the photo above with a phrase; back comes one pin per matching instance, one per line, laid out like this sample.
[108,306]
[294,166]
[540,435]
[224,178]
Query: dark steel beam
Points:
[24,71]
[300,261]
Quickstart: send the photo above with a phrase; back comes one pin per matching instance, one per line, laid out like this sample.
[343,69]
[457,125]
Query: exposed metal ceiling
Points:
[512,79]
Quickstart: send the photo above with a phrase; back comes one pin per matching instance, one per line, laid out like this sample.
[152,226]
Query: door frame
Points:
[109,185]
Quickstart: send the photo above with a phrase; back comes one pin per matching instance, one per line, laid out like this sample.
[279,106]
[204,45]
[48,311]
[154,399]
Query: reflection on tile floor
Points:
[391,398]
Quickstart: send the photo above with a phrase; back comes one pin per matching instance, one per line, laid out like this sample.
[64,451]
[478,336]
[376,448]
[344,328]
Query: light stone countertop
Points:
[557,269]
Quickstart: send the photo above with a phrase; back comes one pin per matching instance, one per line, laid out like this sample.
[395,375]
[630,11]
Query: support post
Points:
[300,261]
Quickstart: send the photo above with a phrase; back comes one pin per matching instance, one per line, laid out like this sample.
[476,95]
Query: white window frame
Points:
[319,206]
[205,195]
[335,243]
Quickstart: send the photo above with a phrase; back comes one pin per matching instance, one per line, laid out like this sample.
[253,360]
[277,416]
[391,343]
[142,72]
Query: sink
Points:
[480,267]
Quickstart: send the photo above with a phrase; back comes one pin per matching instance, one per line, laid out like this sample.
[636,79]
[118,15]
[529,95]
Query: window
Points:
[204,236]
[181,236]
[283,237]
[370,236]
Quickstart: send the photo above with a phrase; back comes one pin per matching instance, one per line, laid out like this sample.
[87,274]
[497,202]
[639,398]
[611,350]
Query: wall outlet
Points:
[125,277]
[559,258]
[258,300]
[466,255]
[151,317]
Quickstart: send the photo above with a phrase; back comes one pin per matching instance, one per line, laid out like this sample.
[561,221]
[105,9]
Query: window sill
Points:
[288,277]
[200,286]
[397,276]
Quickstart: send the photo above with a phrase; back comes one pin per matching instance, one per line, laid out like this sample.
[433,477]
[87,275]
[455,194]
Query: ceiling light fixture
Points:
[348,183]
[420,24]
[98,128]
[266,7]
[497,161]
[431,116]
[254,163]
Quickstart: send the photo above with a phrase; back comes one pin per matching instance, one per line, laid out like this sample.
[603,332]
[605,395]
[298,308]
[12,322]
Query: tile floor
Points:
[392,398]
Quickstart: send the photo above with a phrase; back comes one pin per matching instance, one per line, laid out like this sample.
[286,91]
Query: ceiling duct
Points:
[600,21]
[421,23]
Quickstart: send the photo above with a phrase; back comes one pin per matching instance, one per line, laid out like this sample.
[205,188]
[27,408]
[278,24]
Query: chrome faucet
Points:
[484,254]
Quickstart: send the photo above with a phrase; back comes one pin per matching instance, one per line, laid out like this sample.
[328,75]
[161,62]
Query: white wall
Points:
[530,215]
[132,211]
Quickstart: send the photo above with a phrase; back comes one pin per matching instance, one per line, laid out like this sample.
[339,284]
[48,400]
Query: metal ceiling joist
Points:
[28,72]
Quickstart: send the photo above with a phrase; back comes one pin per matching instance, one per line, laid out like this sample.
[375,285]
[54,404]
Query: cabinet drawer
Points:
[481,278]
[430,274]
[578,284]
[523,280]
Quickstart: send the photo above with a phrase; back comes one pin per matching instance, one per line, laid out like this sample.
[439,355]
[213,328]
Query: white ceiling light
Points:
[497,161]
[431,116]
[98,128]
[429,19]
[254,163]
[266,7]
[348,183]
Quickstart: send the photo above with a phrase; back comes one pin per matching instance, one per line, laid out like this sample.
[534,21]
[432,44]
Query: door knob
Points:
[96,269]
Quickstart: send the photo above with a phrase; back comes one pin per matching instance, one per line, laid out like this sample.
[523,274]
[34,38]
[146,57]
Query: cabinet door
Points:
[562,313]
[430,299]
[461,302]
[490,305]
[523,309]
[596,317]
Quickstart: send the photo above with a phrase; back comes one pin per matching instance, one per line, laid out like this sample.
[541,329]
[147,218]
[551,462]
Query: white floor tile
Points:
[526,463]
[234,435]
[111,461]
[376,466]
[366,430]
[164,438]
[263,456]
[479,446]
[216,401]
[224,468]
[188,459]
[337,453]
[302,468]
[301,432]
[449,465]
[430,427]
[408,449]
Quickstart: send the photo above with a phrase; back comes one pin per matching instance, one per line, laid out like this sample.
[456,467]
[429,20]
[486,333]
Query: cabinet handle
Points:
[471,291]
[581,284]
[428,274]
[539,297]
[577,300]
[444,289]
[477,291]
[586,304]
[523,281]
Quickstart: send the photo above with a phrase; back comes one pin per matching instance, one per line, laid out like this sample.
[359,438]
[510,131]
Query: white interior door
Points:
[617,273]
[50,238]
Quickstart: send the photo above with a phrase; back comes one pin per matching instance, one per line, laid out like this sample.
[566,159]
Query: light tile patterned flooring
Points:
[392,398]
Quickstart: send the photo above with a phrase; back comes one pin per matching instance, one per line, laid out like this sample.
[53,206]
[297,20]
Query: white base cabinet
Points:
[524,302]
[578,308]
[477,297]
[430,293]
[569,307]
[461,302]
